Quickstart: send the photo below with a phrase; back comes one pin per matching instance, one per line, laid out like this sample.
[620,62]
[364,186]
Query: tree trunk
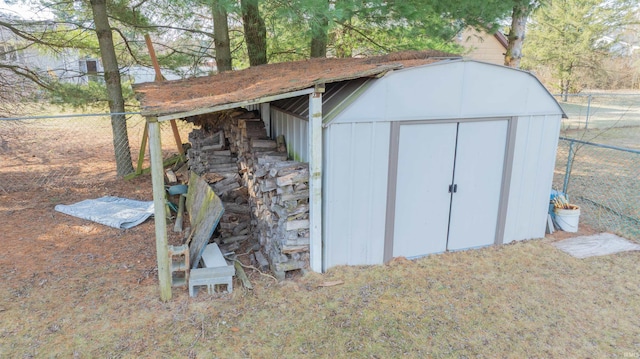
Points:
[519,17]
[319,34]
[114,89]
[564,89]
[221,37]
[319,40]
[255,32]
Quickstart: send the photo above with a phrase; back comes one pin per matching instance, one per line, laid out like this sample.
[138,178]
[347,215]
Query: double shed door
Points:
[448,186]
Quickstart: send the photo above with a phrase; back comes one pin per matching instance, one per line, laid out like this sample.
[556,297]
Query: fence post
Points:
[586,122]
[568,169]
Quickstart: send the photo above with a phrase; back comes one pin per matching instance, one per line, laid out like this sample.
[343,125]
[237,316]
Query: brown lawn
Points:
[73,288]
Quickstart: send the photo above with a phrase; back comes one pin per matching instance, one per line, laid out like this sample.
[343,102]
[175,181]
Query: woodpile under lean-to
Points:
[265,195]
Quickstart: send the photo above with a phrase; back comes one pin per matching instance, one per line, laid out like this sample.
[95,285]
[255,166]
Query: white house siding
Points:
[531,177]
[295,131]
[354,193]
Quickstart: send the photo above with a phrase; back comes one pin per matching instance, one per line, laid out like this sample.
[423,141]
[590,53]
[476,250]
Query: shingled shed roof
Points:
[255,83]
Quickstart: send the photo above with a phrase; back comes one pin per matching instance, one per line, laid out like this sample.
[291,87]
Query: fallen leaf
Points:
[235,329]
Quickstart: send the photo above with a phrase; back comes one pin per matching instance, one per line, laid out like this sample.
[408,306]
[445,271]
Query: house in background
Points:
[63,65]
[482,46]
[68,65]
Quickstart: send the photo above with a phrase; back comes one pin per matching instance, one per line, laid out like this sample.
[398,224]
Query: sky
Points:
[24,9]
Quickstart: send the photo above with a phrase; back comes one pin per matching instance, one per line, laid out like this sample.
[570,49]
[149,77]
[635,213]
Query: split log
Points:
[234,239]
[242,275]
[263,264]
[301,224]
[262,145]
[295,249]
[296,177]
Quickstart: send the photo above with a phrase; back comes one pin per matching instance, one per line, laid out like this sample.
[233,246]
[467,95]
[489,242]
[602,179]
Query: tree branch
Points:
[359,32]
[28,74]
[126,43]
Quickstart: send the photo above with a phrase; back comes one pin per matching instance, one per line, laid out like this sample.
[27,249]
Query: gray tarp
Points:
[114,212]
[596,245]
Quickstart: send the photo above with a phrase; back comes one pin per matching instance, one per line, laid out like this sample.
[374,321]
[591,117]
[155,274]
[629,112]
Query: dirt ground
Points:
[73,288]
[64,161]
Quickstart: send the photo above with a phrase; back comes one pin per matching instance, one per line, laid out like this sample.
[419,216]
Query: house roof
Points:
[182,98]
[502,39]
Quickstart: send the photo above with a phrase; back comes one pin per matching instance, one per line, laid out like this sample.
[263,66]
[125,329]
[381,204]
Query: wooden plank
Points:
[176,136]
[143,148]
[178,225]
[159,78]
[168,162]
[154,59]
[242,275]
[205,211]
[171,176]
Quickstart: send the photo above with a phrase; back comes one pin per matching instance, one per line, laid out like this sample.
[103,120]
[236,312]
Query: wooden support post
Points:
[176,136]
[143,149]
[154,59]
[315,178]
[159,78]
[160,216]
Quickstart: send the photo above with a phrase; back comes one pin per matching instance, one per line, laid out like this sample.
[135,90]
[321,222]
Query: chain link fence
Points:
[71,150]
[598,159]
[600,110]
[604,181]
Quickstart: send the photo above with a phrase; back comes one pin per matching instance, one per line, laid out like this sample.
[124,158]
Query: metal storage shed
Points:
[445,156]
[408,156]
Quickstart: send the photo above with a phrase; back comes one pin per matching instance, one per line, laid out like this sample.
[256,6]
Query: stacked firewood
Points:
[210,158]
[282,209]
[277,189]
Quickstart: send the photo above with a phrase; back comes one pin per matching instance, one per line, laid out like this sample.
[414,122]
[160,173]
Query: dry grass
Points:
[607,108]
[71,288]
[521,300]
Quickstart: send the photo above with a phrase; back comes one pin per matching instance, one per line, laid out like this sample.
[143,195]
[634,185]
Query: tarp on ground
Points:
[596,245]
[114,212]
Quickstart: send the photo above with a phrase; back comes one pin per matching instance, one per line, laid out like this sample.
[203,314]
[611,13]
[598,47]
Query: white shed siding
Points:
[531,177]
[295,131]
[451,90]
[355,191]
